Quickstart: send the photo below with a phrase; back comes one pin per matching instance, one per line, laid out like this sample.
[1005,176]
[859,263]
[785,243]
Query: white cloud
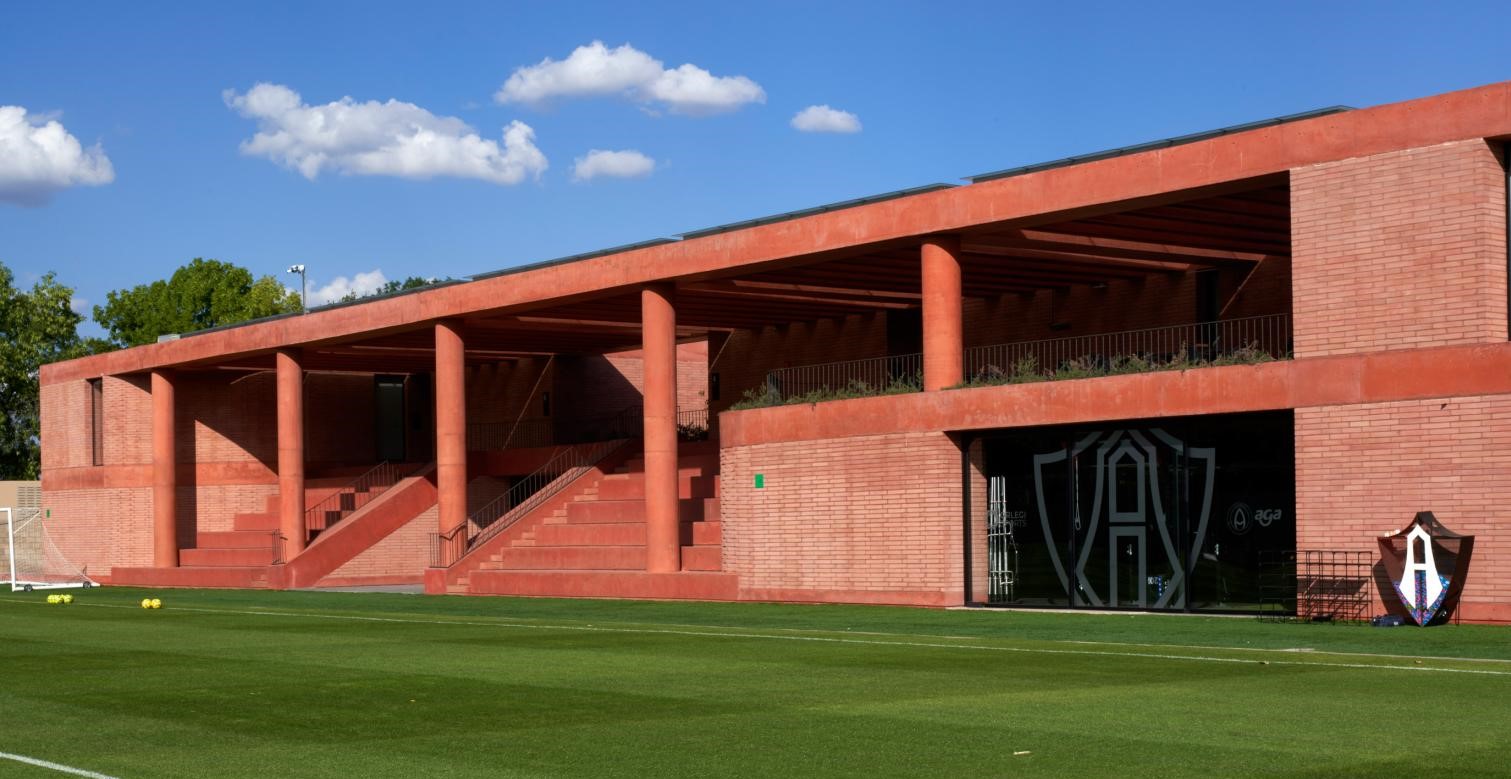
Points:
[39,158]
[362,284]
[79,305]
[627,164]
[596,70]
[379,139]
[823,119]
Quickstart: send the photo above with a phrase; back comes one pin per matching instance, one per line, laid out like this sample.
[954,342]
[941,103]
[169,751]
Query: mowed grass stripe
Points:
[1175,652]
[215,692]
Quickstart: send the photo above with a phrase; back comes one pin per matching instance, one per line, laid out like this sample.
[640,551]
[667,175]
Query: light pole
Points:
[304,287]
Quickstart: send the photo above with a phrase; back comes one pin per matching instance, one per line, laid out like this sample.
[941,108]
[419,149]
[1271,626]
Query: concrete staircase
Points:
[241,557]
[590,540]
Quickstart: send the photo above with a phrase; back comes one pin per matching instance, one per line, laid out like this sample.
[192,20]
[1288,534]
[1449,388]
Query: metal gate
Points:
[1001,544]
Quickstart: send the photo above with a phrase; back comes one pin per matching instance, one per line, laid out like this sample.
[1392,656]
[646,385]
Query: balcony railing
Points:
[518,434]
[1227,341]
[1222,342]
[875,376]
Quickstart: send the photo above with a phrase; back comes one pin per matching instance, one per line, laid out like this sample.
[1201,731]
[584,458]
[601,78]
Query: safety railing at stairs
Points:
[558,473]
[352,496]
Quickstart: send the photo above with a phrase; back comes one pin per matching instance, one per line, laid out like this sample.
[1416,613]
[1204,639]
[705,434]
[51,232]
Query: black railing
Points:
[692,424]
[277,543]
[1250,339]
[523,496]
[352,496]
[898,373]
[518,434]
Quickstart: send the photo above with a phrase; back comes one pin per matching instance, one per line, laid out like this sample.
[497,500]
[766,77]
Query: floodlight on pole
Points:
[304,287]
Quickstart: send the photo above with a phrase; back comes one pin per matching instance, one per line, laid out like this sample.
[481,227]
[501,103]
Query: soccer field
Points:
[240,683]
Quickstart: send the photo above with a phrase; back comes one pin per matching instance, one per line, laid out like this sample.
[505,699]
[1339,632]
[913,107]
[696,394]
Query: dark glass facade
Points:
[1169,514]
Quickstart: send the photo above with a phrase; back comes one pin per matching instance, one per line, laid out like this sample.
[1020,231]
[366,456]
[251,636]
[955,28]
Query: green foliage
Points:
[1027,369]
[199,295]
[36,327]
[766,396]
[390,287]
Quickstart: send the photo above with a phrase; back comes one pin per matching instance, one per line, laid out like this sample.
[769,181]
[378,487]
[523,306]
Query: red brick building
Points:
[1129,380]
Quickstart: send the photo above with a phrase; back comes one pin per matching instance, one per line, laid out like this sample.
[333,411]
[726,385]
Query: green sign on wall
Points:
[760,481]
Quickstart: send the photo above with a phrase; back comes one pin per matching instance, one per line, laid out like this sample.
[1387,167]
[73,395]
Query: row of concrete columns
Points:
[942,367]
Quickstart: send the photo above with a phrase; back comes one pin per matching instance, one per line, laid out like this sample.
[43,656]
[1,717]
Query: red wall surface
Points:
[866,519]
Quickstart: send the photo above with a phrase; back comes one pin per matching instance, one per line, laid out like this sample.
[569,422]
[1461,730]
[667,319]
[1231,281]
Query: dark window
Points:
[97,421]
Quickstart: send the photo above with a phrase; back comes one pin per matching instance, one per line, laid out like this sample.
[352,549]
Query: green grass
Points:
[227,683]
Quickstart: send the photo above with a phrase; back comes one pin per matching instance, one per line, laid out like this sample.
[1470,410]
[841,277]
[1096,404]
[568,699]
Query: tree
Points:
[36,327]
[390,287]
[202,294]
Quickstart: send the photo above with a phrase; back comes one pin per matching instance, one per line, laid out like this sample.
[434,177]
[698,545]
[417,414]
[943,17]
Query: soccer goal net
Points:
[32,560]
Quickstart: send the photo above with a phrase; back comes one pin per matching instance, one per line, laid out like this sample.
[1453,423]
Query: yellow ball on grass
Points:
[146,603]
[156,604]
[52,599]
[66,597]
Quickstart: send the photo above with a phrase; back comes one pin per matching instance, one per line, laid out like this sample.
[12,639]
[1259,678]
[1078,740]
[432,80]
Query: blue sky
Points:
[939,91]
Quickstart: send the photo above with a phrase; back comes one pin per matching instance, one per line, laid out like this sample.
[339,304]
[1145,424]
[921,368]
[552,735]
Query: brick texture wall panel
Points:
[1400,250]
[1367,469]
[873,514]
[401,555]
[127,420]
[340,419]
[99,529]
[65,425]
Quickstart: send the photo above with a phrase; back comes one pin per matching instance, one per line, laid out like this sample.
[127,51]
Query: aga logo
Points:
[1242,518]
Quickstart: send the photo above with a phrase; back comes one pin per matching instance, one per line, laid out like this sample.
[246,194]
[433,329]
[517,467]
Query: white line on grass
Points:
[59,767]
[834,640]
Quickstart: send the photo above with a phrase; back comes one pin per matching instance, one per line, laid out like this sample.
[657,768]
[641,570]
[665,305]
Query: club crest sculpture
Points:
[1427,564]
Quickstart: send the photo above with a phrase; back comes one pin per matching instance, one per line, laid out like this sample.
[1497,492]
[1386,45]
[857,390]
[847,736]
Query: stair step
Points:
[706,533]
[245,522]
[595,534]
[228,558]
[702,558]
[607,584]
[632,487]
[233,539]
[190,576]
[591,558]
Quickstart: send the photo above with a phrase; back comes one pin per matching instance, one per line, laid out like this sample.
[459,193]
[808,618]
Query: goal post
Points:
[32,560]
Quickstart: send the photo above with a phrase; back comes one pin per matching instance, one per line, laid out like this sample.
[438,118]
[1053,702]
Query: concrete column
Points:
[943,331]
[164,474]
[291,453]
[663,552]
[451,429]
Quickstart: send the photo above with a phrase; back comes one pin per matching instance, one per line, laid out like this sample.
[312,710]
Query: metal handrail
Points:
[352,496]
[1256,337]
[870,375]
[524,496]
[692,424]
[521,433]
[1198,343]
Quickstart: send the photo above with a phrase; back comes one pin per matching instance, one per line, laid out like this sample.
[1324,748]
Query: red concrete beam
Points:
[451,431]
[290,382]
[1155,177]
[164,474]
[943,317]
[659,333]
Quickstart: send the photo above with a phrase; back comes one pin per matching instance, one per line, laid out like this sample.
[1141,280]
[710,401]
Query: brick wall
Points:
[339,419]
[98,529]
[1400,250]
[224,418]
[399,557]
[744,360]
[869,519]
[500,392]
[1367,469]
[65,425]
